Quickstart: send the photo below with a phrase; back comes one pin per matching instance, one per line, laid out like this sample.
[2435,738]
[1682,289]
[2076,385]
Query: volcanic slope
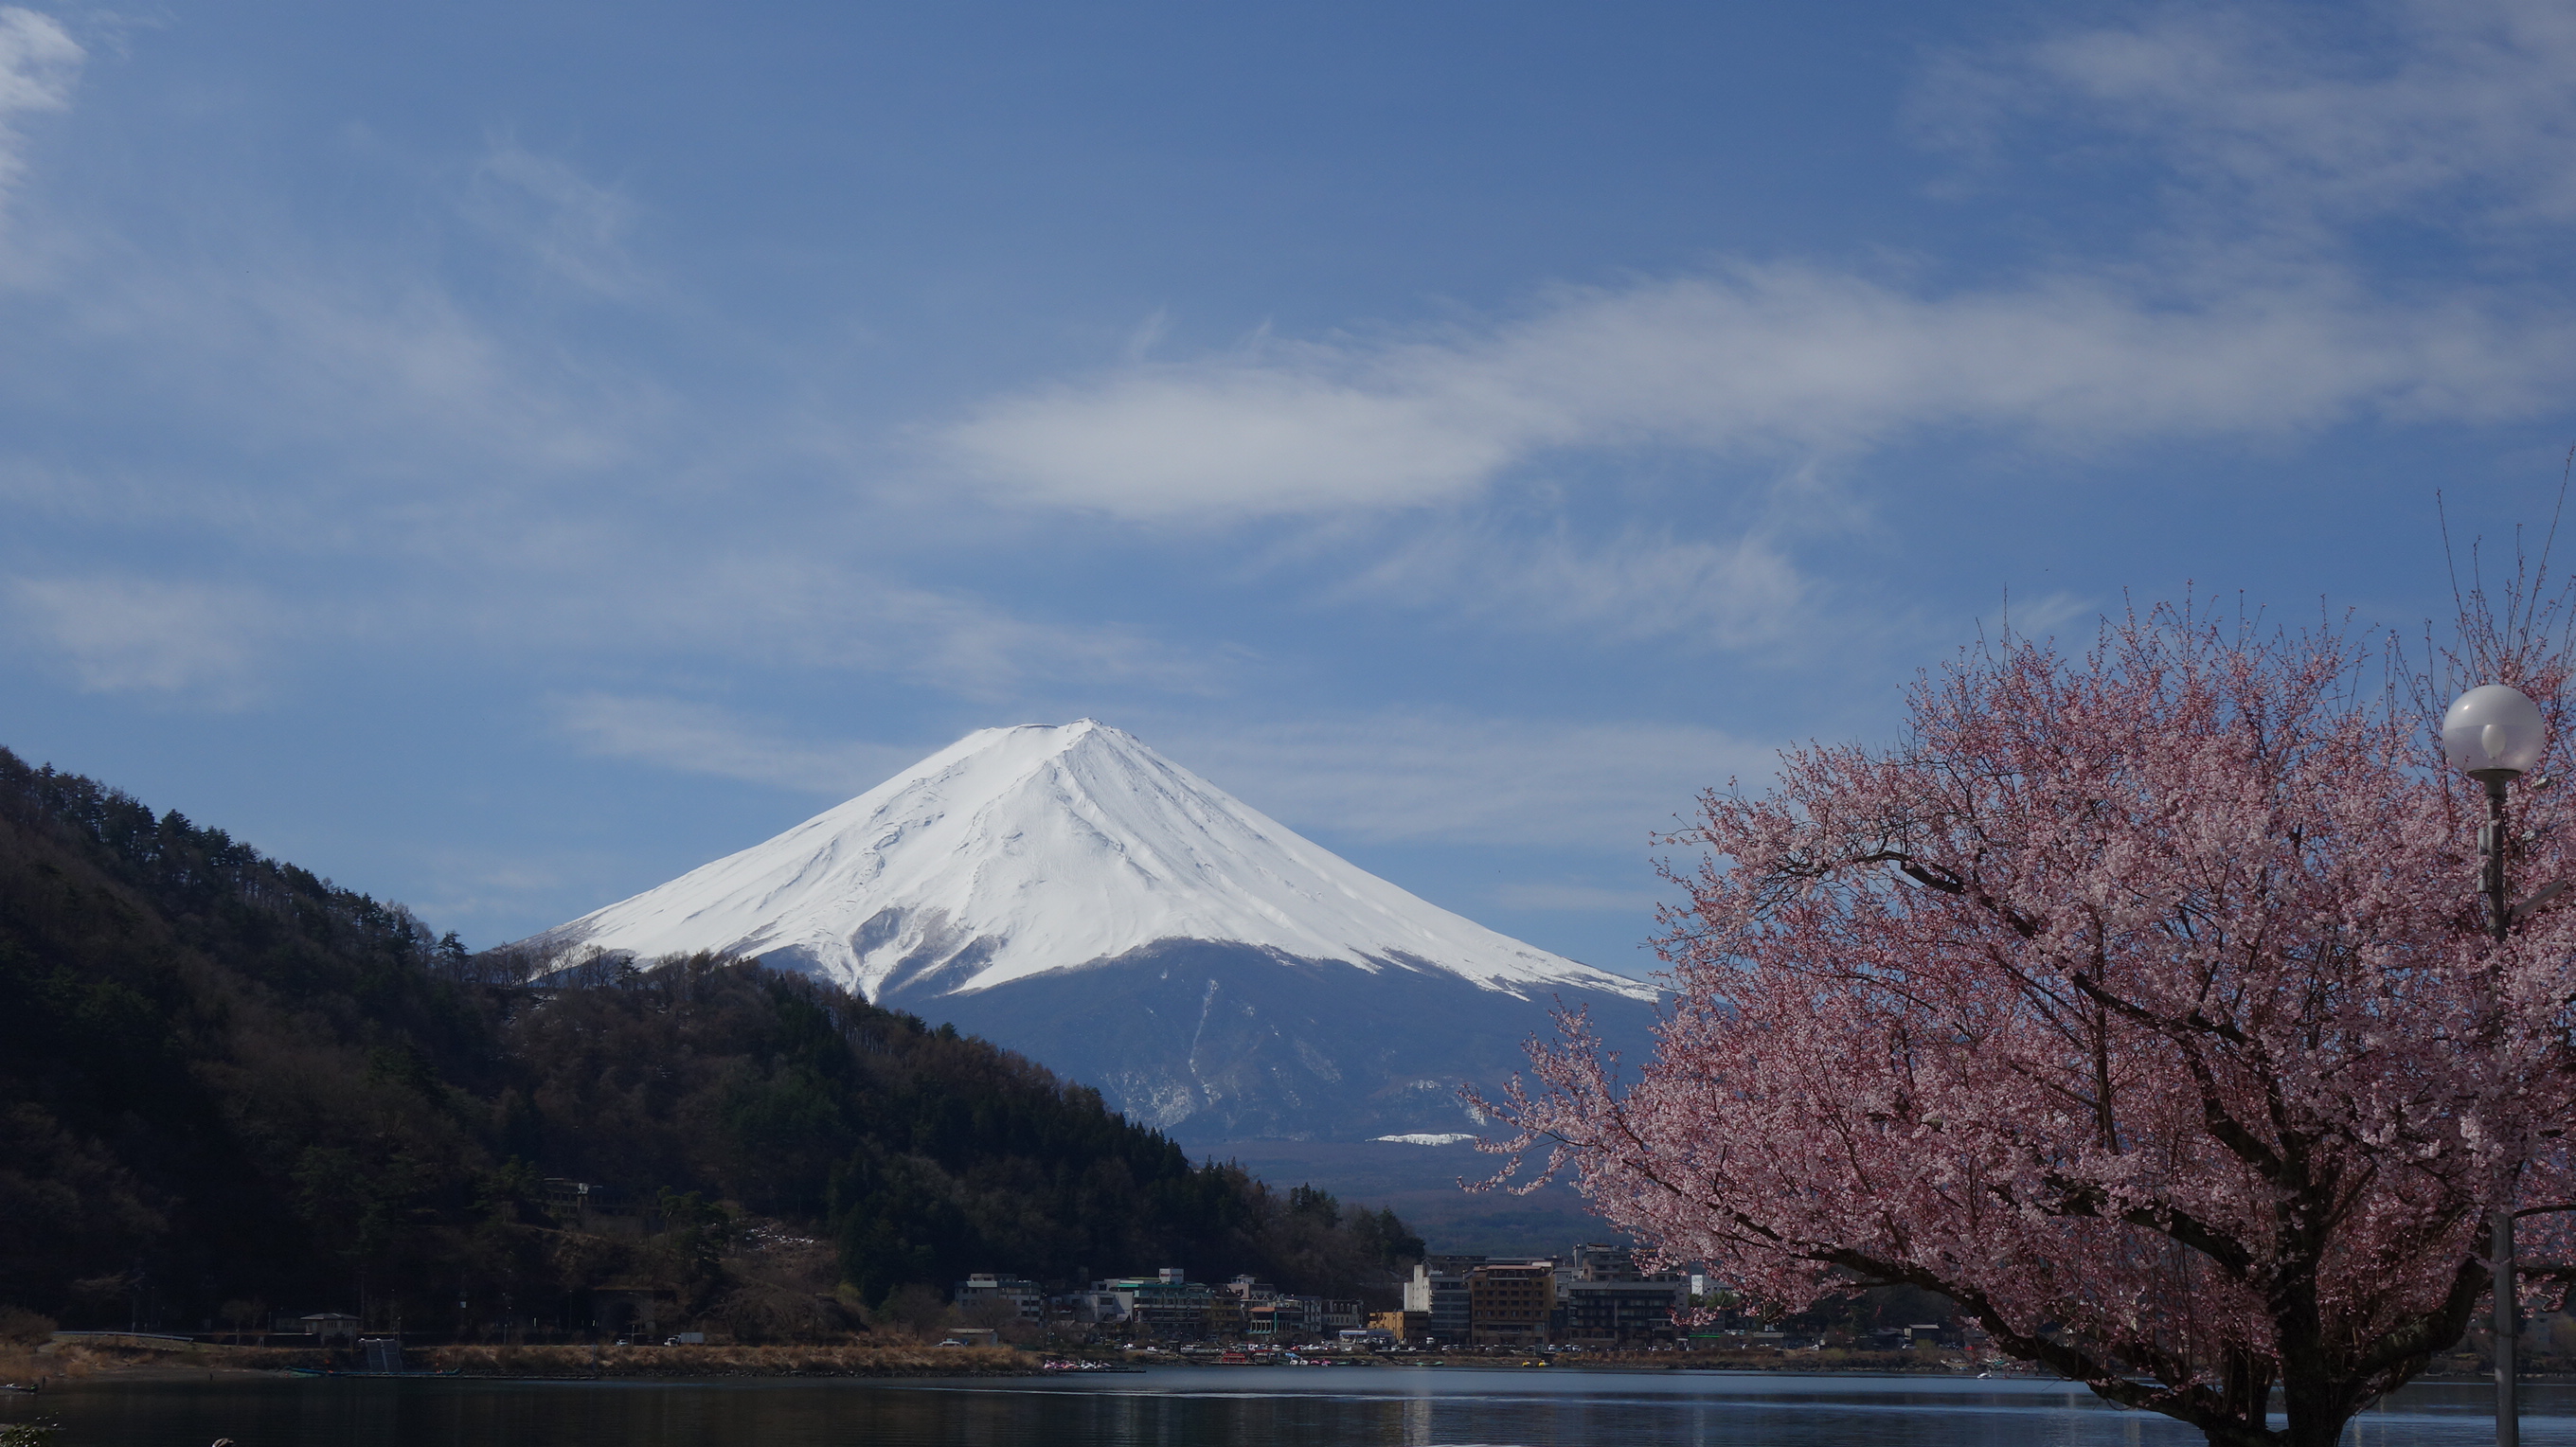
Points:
[1067,892]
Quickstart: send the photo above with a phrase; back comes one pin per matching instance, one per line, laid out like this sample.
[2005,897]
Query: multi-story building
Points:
[1509,1303]
[1605,1301]
[1330,1316]
[1170,1305]
[1280,1321]
[1225,1316]
[1438,1290]
[1097,1307]
[1024,1296]
[1596,1261]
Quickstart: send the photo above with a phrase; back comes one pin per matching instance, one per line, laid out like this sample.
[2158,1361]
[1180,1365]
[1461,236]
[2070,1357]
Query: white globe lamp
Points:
[2494,733]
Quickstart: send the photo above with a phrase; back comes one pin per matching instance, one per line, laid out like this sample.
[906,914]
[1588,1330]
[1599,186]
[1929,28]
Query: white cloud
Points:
[1639,584]
[1470,781]
[571,225]
[779,605]
[703,739]
[321,355]
[125,634]
[2046,614]
[1284,433]
[1762,360]
[2451,112]
[39,66]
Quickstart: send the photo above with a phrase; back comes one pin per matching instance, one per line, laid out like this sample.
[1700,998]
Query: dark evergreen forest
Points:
[227,1085]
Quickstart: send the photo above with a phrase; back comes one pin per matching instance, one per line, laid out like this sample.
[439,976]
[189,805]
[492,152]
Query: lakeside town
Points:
[1594,1302]
[1595,1296]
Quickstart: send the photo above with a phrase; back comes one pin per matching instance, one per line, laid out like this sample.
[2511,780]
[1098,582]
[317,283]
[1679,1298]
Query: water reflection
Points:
[1251,1407]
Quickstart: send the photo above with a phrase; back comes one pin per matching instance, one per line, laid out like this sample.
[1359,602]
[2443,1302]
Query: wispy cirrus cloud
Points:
[1738,593]
[1461,780]
[702,738]
[781,606]
[570,224]
[40,64]
[2458,115]
[120,633]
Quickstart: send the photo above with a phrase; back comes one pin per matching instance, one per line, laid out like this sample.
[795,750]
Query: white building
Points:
[1023,1295]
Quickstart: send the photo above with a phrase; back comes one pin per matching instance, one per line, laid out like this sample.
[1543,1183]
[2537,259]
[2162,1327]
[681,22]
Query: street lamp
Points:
[2494,734]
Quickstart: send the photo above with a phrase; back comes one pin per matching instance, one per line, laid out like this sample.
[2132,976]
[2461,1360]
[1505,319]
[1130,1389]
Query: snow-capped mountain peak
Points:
[1018,851]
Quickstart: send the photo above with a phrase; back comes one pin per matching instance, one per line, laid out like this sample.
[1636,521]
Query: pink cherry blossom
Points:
[2139,1002]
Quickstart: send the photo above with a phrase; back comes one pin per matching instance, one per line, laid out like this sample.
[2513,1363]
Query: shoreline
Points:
[61,1366]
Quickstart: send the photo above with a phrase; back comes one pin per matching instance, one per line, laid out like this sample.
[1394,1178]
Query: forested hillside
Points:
[224,1082]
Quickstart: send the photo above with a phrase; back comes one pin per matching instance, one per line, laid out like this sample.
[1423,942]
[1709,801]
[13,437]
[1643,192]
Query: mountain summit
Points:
[1068,892]
[1020,850]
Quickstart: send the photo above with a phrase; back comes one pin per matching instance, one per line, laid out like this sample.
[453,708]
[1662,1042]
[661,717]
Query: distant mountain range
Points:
[1068,893]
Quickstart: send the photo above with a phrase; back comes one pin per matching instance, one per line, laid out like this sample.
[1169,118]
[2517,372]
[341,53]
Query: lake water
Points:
[1188,1407]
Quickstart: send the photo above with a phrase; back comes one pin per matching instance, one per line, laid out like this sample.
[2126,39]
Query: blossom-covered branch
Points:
[2136,1001]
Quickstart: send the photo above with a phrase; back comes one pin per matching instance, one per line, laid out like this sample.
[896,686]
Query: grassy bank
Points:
[67,1361]
[1763,1359]
[724,1361]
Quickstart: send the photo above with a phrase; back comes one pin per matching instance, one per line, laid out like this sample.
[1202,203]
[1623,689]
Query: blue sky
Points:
[501,456]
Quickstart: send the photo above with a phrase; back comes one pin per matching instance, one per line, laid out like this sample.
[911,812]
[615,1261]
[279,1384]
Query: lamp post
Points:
[2494,734]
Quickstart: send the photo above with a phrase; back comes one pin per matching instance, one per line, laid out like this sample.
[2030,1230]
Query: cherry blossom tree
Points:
[2140,1002]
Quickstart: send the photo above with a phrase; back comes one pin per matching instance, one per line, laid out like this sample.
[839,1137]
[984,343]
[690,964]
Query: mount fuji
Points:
[1068,893]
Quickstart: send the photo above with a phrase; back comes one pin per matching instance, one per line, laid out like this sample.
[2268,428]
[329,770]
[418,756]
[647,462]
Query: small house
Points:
[331,1328]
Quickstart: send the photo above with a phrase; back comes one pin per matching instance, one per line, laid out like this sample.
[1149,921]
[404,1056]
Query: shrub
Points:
[21,1327]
